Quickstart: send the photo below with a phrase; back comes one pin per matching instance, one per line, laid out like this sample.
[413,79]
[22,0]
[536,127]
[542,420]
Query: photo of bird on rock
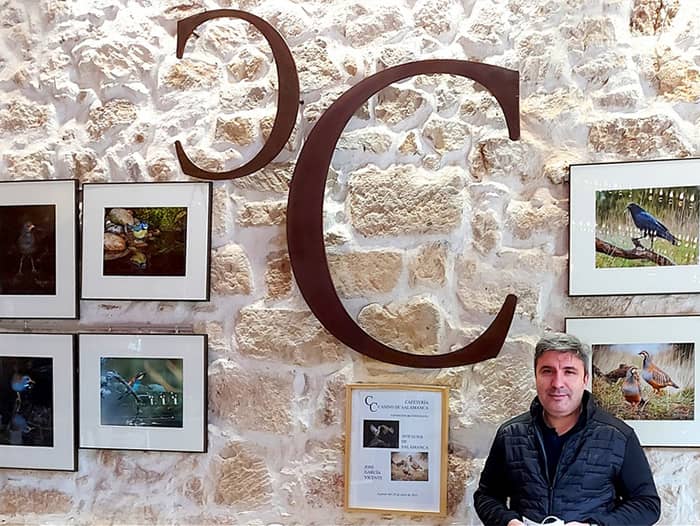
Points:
[145,241]
[28,245]
[640,227]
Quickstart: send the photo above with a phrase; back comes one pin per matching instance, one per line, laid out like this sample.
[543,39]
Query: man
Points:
[566,457]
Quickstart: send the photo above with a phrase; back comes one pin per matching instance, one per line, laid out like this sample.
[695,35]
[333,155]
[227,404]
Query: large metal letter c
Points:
[305,214]
[287,95]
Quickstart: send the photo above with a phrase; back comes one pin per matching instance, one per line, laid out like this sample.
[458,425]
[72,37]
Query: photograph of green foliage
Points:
[645,381]
[647,227]
[145,241]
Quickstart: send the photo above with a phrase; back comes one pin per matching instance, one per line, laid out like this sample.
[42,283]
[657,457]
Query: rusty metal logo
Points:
[305,202]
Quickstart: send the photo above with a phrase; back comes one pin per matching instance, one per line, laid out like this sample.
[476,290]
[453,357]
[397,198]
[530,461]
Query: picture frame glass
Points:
[396,448]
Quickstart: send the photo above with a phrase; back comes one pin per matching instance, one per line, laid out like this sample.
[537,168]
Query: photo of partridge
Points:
[631,388]
[654,376]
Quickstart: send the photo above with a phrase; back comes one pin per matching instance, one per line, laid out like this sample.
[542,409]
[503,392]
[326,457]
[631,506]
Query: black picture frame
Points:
[38,401]
[39,242]
[634,228]
[164,407]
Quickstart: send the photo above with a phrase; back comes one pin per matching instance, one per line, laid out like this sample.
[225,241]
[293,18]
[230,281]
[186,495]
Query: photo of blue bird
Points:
[649,225]
[26,401]
[625,218]
[141,392]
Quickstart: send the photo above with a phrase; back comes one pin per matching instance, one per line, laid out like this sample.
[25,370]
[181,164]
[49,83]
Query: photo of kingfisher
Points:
[141,392]
[26,401]
[28,246]
[642,227]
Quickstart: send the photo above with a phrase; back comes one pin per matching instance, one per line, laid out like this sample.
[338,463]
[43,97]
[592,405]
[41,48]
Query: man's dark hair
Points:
[564,343]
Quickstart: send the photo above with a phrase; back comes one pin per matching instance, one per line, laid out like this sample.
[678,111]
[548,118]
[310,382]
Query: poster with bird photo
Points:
[643,370]
[634,228]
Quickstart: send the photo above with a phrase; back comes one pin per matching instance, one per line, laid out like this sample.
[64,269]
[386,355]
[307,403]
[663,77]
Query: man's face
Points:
[560,380]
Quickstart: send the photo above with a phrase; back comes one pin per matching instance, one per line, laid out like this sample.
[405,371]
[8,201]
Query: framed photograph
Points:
[643,371]
[143,391]
[634,228]
[38,242]
[146,241]
[37,402]
[396,448]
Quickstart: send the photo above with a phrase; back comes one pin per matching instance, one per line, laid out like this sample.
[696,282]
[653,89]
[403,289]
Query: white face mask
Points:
[548,521]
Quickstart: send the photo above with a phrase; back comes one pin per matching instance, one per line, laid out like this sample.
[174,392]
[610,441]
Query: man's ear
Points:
[585,378]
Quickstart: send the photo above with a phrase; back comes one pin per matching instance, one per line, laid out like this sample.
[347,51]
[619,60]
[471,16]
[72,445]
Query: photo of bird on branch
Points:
[647,227]
[141,392]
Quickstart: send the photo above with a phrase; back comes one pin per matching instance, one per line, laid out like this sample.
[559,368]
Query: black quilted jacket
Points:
[602,476]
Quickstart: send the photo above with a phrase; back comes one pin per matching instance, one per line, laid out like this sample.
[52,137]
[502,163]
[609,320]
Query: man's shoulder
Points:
[515,423]
[602,419]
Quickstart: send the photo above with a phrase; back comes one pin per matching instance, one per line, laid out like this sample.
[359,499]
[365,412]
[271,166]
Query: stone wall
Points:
[431,216]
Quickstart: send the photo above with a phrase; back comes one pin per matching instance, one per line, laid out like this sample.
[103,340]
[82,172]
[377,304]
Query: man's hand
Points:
[515,522]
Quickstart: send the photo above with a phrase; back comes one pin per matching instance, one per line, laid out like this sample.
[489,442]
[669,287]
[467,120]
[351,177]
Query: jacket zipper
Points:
[546,471]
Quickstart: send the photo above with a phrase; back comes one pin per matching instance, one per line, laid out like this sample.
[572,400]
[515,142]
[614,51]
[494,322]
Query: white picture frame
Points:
[167,411]
[131,272]
[396,448]
[38,240]
[669,417]
[37,401]
[610,253]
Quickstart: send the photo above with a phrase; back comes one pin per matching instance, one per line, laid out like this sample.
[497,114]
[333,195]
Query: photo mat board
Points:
[38,241]
[634,228]
[143,391]
[643,370]
[396,448]
[37,402]
[146,241]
